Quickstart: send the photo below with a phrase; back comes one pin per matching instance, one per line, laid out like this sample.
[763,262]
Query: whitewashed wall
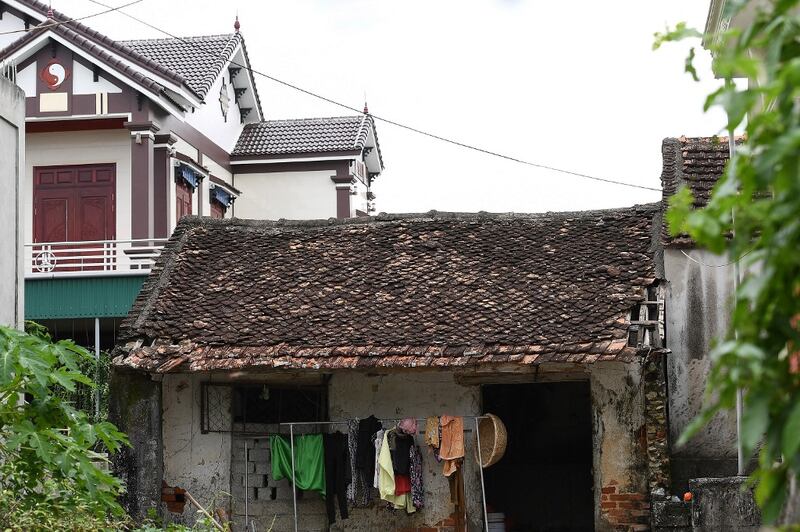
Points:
[208,119]
[10,23]
[200,463]
[290,195]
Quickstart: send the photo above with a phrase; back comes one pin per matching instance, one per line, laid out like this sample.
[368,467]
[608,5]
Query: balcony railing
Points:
[96,257]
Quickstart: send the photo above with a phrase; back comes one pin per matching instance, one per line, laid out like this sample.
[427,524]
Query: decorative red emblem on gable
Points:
[54,74]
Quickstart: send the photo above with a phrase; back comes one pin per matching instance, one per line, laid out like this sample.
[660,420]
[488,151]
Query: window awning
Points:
[221,196]
[188,175]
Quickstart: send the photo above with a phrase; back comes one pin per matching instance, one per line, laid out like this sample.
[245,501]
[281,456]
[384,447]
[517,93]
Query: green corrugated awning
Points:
[81,297]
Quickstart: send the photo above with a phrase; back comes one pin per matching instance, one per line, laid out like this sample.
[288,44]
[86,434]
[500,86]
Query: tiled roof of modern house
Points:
[423,290]
[80,33]
[199,60]
[696,162]
[192,62]
[304,135]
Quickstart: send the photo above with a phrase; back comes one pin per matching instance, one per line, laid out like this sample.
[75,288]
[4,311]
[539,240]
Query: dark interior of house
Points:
[544,481]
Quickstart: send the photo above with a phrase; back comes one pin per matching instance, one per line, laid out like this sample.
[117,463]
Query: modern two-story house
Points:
[123,138]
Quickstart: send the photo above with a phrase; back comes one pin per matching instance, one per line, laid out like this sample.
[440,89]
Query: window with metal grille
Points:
[253,408]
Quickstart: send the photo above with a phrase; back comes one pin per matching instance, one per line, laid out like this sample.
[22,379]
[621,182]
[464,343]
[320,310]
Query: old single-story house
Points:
[553,322]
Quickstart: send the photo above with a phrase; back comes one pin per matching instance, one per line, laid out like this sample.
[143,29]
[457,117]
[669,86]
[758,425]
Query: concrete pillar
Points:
[12,163]
[135,408]
[162,180]
[142,178]
[343,181]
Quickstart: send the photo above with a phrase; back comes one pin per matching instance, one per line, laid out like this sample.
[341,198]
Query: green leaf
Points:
[754,421]
[790,442]
[689,65]
[679,33]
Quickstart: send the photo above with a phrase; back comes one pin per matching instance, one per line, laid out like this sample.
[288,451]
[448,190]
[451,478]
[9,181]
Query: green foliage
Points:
[53,459]
[754,215]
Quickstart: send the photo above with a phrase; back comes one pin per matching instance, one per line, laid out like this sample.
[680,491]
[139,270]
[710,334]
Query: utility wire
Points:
[701,263]
[59,23]
[381,118]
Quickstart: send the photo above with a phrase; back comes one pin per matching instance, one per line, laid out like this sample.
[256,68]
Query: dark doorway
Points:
[544,481]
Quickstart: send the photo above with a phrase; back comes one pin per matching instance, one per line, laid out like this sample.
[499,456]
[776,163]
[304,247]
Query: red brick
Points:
[168,498]
[636,496]
[629,504]
[450,521]
[427,529]
[608,505]
[609,489]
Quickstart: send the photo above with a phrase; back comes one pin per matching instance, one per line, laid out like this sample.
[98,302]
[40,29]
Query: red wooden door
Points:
[183,193]
[217,210]
[73,204]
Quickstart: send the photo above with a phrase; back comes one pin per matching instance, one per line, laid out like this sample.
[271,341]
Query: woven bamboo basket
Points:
[493,438]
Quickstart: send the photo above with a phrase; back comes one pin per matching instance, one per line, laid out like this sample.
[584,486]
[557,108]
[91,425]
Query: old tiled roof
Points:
[304,135]
[696,162]
[199,60]
[424,290]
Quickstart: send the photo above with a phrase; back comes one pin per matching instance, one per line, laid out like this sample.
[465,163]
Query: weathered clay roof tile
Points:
[462,289]
[696,162]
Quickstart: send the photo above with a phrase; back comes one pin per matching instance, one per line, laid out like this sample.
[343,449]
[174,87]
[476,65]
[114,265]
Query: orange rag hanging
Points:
[432,431]
[451,448]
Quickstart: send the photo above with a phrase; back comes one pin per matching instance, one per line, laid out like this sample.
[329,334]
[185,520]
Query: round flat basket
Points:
[493,438]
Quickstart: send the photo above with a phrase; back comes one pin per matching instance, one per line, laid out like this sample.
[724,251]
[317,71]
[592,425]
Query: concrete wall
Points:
[620,457]
[290,195]
[199,463]
[82,147]
[12,161]
[135,408]
[697,312]
[8,23]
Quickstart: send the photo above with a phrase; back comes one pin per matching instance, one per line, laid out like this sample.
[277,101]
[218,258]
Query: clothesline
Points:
[252,436]
[292,425]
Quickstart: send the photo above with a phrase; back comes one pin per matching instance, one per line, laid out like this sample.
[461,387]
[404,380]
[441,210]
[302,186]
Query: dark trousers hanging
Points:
[337,473]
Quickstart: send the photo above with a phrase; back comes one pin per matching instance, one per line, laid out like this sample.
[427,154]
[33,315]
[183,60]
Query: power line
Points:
[381,118]
[59,23]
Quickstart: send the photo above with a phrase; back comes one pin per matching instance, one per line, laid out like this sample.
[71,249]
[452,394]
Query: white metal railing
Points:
[92,257]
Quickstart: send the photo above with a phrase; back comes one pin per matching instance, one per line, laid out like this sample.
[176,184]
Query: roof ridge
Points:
[304,119]
[420,217]
[229,36]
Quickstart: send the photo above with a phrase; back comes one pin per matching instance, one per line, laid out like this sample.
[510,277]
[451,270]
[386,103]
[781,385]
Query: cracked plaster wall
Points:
[199,463]
[620,456]
[697,311]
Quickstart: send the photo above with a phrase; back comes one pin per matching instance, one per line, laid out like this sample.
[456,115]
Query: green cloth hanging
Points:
[309,461]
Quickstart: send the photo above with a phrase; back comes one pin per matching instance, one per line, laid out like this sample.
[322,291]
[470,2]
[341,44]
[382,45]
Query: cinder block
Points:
[263,468]
[259,455]
[238,493]
[239,468]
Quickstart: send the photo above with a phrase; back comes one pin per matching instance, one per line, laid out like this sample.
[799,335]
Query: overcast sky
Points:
[573,85]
